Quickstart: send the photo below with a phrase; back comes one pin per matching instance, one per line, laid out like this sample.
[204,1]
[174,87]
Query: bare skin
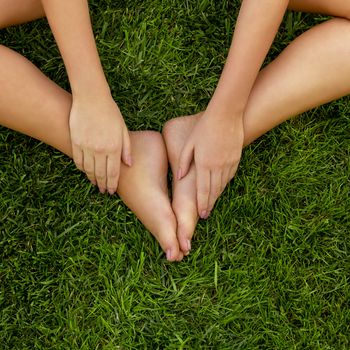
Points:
[313,70]
[34,105]
[100,139]
[215,143]
[144,189]
[40,109]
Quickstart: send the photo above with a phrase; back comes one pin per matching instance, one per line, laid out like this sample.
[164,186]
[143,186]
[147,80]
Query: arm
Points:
[256,27]
[99,135]
[216,142]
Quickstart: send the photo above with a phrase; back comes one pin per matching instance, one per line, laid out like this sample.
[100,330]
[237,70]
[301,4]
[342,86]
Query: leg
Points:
[336,8]
[34,105]
[14,12]
[313,70]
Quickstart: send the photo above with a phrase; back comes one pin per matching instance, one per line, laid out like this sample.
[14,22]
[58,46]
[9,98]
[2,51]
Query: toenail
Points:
[188,245]
[129,161]
[204,214]
[168,254]
[179,174]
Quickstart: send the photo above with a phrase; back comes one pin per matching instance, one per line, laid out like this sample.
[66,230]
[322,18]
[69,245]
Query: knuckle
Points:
[112,184]
[99,149]
[113,173]
[77,143]
[100,176]
[205,165]
[112,181]
[112,148]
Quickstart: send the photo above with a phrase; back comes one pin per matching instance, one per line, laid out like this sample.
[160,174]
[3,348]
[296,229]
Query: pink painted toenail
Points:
[204,214]
[179,174]
[129,161]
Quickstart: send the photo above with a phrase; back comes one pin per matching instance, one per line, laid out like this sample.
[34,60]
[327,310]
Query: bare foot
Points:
[143,188]
[184,203]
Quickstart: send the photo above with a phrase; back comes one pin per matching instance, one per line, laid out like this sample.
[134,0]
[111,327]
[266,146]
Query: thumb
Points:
[126,151]
[185,160]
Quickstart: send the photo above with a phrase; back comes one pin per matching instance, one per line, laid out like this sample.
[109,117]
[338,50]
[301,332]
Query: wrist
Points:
[91,91]
[88,78]
[224,111]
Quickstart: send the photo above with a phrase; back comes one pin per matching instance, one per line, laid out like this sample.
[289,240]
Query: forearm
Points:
[256,27]
[71,26]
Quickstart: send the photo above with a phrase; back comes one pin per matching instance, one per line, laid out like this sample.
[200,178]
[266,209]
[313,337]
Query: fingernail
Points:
[179,174]
[102,190]
[188,245]
[111,191]
[129,160]
[168,254]
[204,214]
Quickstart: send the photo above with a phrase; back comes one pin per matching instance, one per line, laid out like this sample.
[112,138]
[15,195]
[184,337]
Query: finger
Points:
[78,157]
[101,171]
[185,160]
[215,189]
[113,171]
[126,150]
[203,191]
[89,166]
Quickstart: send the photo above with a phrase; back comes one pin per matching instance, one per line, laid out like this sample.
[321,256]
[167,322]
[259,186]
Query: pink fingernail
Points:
[204,214]
[168,254]
[129,160]
[111,191]
[179,174]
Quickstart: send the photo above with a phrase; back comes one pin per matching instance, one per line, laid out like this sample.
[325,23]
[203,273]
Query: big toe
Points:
[165,233]
[186,216]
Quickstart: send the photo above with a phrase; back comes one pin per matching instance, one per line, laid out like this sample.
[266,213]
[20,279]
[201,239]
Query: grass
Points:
[269,269]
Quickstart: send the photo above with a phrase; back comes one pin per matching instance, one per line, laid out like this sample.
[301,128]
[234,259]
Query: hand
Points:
[215,144]
[100,139]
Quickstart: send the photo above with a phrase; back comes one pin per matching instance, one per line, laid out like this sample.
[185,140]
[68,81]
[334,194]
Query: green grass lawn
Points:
[269,269]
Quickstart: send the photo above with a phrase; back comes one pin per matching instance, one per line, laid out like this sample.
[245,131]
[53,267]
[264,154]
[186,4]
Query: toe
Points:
[166,236]
[185,233]
[186,216]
